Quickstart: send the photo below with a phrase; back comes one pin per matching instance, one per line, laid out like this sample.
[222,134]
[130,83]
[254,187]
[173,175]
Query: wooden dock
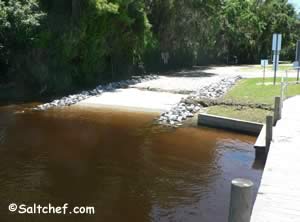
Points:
[278,198]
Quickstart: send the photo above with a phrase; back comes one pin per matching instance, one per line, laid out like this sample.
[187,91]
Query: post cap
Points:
[241,182]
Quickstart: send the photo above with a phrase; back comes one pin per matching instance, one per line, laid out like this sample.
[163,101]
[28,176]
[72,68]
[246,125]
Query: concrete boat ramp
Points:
[135,99]
[278,198]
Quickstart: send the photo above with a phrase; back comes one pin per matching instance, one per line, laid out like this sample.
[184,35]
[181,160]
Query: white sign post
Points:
[276,47]
[296,65]
[264,63]
[297,61]
[165,57]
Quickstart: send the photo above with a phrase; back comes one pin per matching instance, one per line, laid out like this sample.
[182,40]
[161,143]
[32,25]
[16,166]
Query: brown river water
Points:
[119,162]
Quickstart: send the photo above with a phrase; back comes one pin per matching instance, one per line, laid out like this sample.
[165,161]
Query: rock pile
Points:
[217,89]
[186,109]
[72,99]
[179,113]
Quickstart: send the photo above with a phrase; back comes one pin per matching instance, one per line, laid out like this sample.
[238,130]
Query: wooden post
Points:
[240,200]
[277,110]
[269,132]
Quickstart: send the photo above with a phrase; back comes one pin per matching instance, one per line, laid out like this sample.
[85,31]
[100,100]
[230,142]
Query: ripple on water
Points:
[128,168]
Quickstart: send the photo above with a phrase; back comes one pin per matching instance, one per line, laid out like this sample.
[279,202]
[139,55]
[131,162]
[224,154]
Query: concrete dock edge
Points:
[242,126]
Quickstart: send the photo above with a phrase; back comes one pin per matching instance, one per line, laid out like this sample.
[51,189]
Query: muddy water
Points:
[120,163]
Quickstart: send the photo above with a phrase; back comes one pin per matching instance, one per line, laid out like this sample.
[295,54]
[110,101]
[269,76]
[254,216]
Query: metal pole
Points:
[275,59]
[264,73]
[275,68]
[281,89]
[241,200]
[286,83]
[298,58]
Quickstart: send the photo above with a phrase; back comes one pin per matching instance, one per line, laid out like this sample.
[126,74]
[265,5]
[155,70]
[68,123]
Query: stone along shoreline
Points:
[174,108]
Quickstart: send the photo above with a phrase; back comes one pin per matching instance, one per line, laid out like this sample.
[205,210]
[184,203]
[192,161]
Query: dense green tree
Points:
[185,29]
[279,17]
[85,42]
[55,46]
[247,28]
[19,25]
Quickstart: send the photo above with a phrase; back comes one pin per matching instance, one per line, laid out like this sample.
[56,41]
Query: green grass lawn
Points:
[249,114]
[247,91]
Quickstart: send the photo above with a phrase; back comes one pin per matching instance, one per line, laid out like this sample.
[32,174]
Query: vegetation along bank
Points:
[54,47]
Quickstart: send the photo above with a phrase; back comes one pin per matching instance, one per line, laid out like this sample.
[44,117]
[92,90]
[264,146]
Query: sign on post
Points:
[276,47]
[165,57]
[264,63]
[276,44]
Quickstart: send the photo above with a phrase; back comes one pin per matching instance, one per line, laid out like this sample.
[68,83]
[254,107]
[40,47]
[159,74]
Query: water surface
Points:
[119,162]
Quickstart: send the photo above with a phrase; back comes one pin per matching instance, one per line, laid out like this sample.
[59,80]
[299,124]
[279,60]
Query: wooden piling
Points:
[269,132]
[277,110]
[240,200]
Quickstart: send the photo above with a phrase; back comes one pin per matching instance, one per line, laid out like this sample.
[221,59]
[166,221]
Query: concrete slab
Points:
[135,99]
[229,124]
[278,197]
[261,139]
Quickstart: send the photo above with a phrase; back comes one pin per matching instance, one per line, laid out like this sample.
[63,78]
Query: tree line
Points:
[50,47]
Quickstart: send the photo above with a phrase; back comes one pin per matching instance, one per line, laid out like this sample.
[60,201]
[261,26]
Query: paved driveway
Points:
[193,80]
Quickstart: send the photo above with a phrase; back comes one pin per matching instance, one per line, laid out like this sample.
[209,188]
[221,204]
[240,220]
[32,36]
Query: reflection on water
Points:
[119,162]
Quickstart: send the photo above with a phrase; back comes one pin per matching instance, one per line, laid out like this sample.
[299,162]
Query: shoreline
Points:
[135,99]
[173,109]
[115,108]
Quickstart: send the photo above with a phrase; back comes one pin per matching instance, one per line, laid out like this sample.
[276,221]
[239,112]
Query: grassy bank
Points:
[252,91]
[244,113]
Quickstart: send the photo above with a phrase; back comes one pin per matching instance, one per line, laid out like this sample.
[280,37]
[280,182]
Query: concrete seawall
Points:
[248,127]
